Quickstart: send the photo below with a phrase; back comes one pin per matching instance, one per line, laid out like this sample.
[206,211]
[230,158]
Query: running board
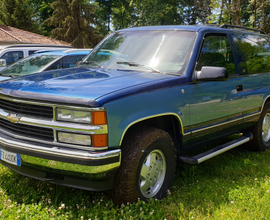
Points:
[216,151]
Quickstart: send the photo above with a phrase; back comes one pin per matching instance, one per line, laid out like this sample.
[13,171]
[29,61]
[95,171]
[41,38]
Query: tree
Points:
[74,21]
[43,11]
[18,14]
[123,14]
[104,12]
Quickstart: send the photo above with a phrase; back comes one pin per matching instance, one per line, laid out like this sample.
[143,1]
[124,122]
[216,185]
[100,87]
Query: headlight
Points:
[73,116]
[72,138]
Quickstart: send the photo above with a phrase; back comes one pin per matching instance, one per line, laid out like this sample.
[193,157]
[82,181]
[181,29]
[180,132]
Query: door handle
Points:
[239,88]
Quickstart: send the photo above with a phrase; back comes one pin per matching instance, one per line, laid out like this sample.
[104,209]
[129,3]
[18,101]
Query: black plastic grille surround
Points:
[27,109]
[29,131]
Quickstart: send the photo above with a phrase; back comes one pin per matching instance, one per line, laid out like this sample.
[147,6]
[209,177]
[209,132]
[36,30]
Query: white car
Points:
[11,53]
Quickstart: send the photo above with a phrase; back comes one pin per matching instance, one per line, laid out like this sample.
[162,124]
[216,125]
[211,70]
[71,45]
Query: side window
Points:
[68,62]
[216,51]
[256,49]
[12,56]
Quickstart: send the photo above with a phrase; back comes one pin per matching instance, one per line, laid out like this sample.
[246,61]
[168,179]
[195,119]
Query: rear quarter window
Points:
[256,50]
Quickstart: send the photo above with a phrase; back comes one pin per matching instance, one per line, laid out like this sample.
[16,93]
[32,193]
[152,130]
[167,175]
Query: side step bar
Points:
[216,151]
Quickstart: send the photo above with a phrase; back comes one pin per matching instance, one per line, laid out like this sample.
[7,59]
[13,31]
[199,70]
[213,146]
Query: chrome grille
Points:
[27,109]
[29,131]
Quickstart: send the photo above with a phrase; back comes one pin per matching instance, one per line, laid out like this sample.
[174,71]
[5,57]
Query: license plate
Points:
[10,157]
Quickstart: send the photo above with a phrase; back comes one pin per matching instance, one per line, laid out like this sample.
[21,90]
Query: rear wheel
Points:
[147,168]
[261,131]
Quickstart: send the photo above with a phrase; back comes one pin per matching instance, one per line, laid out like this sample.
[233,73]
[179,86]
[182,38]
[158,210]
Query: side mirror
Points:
[3,63]
[211,73]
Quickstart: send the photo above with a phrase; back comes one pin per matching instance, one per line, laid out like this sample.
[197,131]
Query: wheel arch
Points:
[266,100]
[169,122]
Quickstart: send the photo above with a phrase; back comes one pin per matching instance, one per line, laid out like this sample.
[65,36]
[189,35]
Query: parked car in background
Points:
[40,61]
[15,52]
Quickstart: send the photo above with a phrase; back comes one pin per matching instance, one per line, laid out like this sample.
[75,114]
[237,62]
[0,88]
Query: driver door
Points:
[215,106]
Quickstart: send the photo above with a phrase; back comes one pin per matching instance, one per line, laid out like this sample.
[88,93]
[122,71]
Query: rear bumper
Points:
[64,166]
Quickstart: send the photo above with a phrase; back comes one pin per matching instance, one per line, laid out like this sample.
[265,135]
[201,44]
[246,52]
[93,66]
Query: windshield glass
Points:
[162,51]
[29,65]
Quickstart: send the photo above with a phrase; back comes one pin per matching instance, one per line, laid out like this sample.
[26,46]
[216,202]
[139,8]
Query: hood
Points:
[72,85]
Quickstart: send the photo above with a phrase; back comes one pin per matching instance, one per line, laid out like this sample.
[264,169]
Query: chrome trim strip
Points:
[54,143]
[69,167]
[223,150]
[74,154]
[217,125]
[224,123]
[188,133]
[65,126]
[252,115]
[148,117]
[55,136]
[88,129]
[54,113]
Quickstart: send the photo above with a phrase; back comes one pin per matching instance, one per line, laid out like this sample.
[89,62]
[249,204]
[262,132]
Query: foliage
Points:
[83,23]
[248,13]
[43,11]
[104,13]
[157,12]
[18,14]
[74,21]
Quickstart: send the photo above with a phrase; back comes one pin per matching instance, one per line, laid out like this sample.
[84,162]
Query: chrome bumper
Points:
[60,158]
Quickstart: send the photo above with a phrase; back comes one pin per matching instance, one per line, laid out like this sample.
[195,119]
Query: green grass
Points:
[234,185]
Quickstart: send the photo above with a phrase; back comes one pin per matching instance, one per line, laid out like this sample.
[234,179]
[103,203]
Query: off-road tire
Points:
[137,147]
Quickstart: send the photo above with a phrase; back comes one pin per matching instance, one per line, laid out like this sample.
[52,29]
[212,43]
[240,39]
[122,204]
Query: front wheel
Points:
[147,168]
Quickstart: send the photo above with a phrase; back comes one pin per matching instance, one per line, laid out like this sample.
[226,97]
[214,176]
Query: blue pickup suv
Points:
[136,105]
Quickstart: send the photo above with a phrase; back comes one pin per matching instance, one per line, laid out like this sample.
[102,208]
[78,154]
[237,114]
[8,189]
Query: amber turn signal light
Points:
[100,140]
[99,118]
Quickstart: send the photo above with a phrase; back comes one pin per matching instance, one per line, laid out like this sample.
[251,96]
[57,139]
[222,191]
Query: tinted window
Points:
[67,62]
[12,56]
[256,50]
[216,51]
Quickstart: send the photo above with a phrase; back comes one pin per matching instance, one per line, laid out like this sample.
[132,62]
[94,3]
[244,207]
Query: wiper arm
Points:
[139,65]
[94,62]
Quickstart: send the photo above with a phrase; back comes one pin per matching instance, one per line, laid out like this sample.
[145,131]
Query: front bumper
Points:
[58,164]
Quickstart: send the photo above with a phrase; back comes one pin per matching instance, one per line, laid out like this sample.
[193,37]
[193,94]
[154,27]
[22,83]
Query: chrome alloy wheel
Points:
[266,128]
[152,173]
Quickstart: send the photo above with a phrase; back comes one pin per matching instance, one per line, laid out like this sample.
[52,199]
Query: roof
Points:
[164,27]
[195,28]
[11,35]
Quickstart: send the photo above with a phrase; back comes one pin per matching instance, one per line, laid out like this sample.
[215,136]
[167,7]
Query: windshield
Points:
[29,65]
[154,51]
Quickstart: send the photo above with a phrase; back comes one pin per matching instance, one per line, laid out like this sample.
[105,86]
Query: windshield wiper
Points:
[139,65]
[94,62]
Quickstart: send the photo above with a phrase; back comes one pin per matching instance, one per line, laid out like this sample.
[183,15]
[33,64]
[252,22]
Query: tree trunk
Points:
[255,13]
[237,13]
[221,12]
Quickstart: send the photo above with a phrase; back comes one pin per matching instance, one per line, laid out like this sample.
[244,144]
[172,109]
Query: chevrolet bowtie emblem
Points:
[13,118]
